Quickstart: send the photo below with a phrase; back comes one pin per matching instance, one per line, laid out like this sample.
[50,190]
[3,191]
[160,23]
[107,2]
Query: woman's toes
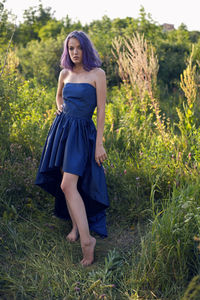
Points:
[72,236]
[88,252]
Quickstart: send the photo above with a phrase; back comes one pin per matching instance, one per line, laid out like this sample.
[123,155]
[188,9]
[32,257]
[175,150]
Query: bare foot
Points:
[88,252]
[73,235]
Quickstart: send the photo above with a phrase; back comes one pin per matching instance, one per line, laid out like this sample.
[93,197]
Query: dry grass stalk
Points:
[7,52]
[12,62]
[138,64]
[188,82]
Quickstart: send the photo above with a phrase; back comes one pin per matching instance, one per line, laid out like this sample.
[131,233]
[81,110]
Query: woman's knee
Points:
[68,184]
[65,187]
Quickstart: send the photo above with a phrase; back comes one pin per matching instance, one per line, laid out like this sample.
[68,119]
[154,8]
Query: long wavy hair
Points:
[90,55]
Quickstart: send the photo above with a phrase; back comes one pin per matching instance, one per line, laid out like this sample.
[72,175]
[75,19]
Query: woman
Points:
[71,164]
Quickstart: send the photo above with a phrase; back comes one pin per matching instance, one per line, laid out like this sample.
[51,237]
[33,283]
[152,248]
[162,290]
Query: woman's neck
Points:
[78,69]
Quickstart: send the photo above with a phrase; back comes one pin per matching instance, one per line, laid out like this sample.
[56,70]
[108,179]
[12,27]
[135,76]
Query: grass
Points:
[38,262]
[151,258]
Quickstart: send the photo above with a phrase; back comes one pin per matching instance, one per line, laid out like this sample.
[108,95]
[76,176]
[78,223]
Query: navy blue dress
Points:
[70,146]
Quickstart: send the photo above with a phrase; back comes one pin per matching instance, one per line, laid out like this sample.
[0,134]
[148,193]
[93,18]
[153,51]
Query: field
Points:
[152,138]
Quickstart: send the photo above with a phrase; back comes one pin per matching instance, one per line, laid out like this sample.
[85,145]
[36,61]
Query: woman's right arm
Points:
[59,98]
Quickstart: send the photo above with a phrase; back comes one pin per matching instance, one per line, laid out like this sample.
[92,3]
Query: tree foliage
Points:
[38,40]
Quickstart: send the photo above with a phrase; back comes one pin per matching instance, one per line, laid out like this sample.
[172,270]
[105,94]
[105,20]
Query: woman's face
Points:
[75,51]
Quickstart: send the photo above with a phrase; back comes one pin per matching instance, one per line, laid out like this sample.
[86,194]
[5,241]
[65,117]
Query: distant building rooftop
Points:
[168,27]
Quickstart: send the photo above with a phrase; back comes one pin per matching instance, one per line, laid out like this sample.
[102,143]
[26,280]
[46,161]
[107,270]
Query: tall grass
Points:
[169,257]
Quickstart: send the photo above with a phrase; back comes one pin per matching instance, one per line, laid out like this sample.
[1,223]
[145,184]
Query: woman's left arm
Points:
[100,153]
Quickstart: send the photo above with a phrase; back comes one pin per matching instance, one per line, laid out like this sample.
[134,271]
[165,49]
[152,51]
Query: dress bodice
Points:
[79,100]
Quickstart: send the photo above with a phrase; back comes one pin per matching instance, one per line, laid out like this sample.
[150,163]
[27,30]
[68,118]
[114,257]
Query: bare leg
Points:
[73,235]
[77,208]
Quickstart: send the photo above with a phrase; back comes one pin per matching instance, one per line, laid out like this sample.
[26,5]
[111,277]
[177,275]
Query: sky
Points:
[162,11]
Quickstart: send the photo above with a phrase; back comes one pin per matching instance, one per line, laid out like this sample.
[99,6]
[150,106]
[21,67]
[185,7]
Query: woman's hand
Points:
[100,154]
[59,109]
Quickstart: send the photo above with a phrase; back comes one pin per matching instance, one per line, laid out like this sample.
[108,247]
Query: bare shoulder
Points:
[63,73]
[99,75]
[99,72]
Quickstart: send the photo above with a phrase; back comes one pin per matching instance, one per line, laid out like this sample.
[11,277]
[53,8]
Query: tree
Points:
[51,29]
[172,61]
[7,27]
[34,19]
[148,26]
[41,60]
[194,36]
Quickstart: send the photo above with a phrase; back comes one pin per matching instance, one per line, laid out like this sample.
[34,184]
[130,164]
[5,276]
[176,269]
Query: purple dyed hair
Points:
[90,55]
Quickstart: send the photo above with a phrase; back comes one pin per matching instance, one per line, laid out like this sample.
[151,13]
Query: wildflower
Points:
[112,166]
[137,178]
[102,296]
[125,171]
[172,156]
[77,289]
[189,155]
